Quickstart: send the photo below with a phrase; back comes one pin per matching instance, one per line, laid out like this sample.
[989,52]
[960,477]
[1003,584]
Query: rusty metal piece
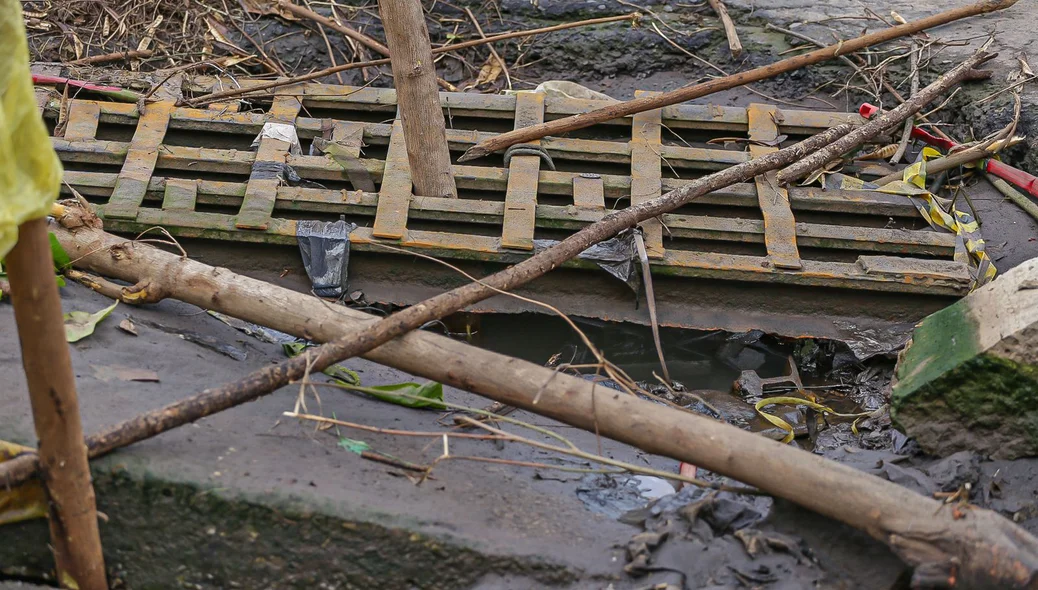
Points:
[646,171]
[523,177]
[750,385]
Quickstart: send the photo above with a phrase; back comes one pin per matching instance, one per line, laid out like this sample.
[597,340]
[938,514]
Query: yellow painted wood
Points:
[523,178]
[394,198]
[780,235]
[646,171]
[140,161]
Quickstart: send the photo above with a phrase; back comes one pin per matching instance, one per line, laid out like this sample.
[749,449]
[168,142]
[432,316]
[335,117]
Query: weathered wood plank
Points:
[780,236]
[180,195]
[646,171]
[140,161]
[523,174]
[588,192]
[394,198]
[268,167]
[83,117]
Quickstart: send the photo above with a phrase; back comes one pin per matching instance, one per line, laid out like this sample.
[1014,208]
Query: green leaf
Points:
[61,258]
[337,372]
[61,280]
[80,324]
[414,395]
[353,445]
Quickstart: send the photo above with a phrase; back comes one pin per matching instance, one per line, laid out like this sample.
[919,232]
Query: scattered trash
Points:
[616,495]
[616,256]
[195,338]
[80,324]
[325,248]
[260,333]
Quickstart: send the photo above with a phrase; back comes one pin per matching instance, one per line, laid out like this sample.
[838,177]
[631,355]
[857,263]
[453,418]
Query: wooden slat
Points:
[523,174]
[83,117]
[588,192]
[180,195]
[350,138]
[140,161]
[394,198]
[261,192]
[646,171]
[780,236]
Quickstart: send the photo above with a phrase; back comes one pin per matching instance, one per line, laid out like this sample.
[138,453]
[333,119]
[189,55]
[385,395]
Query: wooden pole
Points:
[75,539]
[648,103]
[418,98]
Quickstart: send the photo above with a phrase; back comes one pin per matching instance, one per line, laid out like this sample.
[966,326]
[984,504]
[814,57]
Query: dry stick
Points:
[493,52]
[331,24]
[72,511]
[217,96]
[638,105]
[934,167]
[883,122]
[992,552]
[100,59]
[418,98]
[729,27]
[906,132]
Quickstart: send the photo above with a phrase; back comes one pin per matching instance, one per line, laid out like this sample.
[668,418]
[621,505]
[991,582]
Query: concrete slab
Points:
[250,498]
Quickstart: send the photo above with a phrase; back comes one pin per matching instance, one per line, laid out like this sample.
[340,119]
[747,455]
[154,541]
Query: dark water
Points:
[696,359]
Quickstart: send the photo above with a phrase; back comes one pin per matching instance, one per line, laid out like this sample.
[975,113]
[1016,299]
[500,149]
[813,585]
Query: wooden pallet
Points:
[192,171]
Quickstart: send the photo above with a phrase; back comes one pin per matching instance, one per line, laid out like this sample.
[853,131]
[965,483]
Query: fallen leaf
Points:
[22,502]
[128,327]
[411,395]
[80,324]
[337,372]
[488,74]
[61,258]
[353,445]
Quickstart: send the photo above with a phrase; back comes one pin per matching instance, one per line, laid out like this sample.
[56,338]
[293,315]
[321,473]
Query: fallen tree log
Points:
[980,550]
[648,103]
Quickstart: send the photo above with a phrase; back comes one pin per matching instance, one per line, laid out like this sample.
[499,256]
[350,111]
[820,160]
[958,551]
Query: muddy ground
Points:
[247,499]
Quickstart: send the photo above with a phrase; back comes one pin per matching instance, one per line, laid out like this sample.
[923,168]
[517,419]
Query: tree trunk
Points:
[418,97]
[65,472]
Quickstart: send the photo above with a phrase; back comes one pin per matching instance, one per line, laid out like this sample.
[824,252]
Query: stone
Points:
[968,379]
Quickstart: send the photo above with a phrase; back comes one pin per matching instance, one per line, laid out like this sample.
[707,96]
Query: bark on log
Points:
[638,105]
[71,508]
[980,550]
[418,98]
[883,122]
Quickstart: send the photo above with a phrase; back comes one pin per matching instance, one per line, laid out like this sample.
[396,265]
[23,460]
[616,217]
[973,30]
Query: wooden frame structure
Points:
[191,170]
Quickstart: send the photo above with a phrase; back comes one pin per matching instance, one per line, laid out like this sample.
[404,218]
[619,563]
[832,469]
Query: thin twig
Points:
[906,133]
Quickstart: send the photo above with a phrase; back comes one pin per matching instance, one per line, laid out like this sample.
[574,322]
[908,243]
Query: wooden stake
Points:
[729,27]
[55,410]
[638,105]
[418,98]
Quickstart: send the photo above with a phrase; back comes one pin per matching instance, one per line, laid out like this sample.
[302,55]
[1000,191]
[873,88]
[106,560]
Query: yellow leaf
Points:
[23,502]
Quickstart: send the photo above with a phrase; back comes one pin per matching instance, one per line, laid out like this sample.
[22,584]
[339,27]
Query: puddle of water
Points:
[696,359]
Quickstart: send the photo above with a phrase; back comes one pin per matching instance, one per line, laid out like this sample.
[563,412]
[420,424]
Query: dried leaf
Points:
[488,74]
[21,502]
[127,326]
[80,324]
[1025,67]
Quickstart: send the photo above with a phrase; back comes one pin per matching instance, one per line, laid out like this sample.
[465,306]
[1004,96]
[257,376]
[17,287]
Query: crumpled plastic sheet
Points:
[325,248]
[30,173]
[616,256]
[282,132]
[272,170]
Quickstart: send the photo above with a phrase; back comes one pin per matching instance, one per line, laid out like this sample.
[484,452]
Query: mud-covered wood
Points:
[780,234]
[394,196]
[267,172]
[83,117]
